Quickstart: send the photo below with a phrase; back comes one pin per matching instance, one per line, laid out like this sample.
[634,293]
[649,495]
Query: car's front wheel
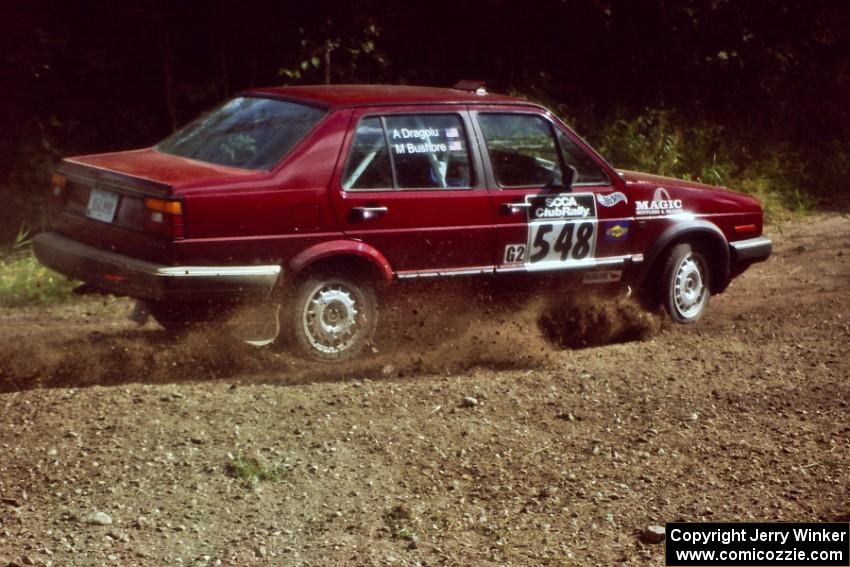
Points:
[333,317]
[685,283]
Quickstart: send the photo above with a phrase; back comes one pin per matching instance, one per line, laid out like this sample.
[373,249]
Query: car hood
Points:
[721,196]
[152,165]
[638,177]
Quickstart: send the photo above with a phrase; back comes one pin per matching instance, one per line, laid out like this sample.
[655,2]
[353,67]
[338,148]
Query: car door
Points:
[410,187]
[542,224]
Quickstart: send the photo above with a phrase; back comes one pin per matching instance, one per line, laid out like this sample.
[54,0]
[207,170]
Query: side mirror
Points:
[562,182]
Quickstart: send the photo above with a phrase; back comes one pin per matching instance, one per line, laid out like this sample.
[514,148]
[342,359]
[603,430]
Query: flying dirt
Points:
[440,328]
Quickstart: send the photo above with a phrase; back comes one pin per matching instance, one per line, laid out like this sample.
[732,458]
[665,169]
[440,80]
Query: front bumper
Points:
[750,251]
[124,275]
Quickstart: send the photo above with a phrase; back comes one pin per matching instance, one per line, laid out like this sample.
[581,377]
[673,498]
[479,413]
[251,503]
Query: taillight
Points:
[164,217]
[57,189]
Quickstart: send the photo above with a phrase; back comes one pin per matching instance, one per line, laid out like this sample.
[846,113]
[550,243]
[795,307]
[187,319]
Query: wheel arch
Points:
[704,235]
[350,254]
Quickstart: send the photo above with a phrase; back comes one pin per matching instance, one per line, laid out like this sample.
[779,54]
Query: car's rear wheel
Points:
[333,317]
[685,283]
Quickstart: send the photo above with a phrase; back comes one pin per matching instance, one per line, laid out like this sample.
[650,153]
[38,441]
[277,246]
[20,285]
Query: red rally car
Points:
[315,197]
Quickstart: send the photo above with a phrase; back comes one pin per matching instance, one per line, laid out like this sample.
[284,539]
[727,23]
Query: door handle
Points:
[376,210]
[368,212]
[512,208]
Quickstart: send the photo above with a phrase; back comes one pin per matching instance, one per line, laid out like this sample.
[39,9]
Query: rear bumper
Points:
[746,252]
[124,275]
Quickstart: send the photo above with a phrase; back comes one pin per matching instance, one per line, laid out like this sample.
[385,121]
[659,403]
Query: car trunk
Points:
[107,198]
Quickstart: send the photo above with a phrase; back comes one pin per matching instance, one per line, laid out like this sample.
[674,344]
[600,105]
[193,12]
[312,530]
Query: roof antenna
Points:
[472,86]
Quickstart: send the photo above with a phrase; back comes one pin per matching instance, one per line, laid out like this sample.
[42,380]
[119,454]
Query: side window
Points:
[588,172]
[369,163]
[522,149]
[429,151]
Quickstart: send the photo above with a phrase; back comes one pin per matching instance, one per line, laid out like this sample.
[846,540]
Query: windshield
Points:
[245,132]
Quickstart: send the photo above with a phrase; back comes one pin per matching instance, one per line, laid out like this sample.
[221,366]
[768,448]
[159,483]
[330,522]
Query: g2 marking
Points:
[514,254]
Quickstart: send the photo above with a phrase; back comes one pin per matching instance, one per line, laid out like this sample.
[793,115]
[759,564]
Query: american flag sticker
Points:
[455,146]
[451,133]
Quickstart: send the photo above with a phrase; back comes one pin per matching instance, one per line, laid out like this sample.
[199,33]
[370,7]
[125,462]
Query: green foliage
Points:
[24,281]
[252,470]
[326,56]
[780,178]
[664,143]
[659,142]
[401,520]
[406,532]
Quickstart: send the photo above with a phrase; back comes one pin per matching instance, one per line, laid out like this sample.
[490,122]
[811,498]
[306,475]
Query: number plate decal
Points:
[102,205]
[562,230]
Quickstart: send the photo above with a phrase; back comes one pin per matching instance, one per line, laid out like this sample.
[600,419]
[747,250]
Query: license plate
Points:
[102,205]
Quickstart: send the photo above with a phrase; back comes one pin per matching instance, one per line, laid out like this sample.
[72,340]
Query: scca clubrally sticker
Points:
[561,206]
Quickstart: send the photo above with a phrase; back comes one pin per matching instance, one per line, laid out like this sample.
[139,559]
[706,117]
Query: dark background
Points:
[763,82]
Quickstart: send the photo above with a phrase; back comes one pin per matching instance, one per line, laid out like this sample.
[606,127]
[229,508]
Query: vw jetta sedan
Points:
[316,197]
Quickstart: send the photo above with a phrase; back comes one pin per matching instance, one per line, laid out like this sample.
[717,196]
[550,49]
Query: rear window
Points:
[245,132]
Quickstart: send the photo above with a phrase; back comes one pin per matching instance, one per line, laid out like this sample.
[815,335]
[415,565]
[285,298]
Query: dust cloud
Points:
[443,328]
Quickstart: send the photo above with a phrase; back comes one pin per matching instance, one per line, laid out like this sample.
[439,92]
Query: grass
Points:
[400,521]
[252,470]
[24,281]
[665,143]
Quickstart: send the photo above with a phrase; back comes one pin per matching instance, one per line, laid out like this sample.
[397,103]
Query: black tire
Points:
[333,317]
[685,284]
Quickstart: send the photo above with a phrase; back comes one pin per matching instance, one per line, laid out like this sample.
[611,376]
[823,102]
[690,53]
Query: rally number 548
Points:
[561,241]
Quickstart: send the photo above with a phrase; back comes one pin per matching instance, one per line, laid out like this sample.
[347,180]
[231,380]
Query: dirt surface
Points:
[468,438]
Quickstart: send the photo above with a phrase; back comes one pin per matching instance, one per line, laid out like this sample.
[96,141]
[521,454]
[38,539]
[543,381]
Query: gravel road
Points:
[474,441]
